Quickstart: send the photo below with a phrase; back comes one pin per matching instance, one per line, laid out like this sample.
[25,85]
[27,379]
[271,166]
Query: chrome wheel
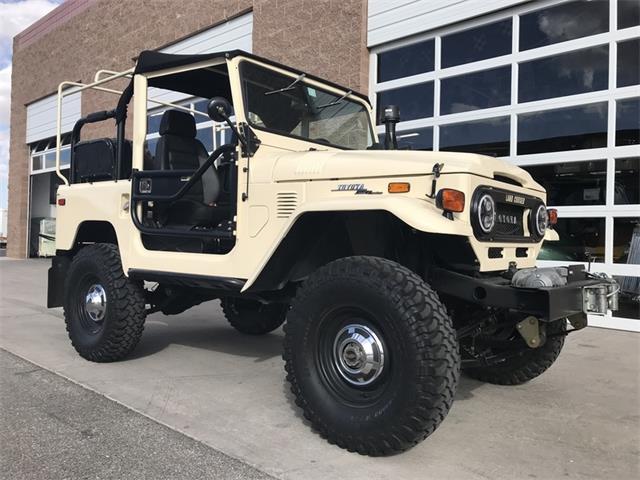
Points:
[95,304]
[358,354]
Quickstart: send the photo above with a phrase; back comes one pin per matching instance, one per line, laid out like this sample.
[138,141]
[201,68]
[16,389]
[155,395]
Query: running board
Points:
[187,280]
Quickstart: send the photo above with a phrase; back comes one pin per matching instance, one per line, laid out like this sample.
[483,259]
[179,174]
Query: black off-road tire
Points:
[532,363]
[251,317]
[416,385]
[120,329]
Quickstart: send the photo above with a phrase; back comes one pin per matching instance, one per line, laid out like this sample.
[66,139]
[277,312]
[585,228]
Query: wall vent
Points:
[286,203]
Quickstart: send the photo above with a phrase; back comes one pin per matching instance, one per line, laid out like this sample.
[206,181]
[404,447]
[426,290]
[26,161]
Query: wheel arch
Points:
[319,237]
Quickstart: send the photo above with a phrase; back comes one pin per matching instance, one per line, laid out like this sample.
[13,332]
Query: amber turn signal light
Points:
[450,200]
[399,187]
[553,216]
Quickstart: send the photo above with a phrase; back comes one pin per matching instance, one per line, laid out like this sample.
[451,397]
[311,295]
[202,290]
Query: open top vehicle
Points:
[393,269]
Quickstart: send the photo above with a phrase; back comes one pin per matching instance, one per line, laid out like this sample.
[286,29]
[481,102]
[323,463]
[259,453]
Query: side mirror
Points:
[219,109]
[390,116]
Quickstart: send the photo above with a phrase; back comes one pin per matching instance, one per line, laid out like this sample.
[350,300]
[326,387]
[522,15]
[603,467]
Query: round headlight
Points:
[542,220]
[486,213]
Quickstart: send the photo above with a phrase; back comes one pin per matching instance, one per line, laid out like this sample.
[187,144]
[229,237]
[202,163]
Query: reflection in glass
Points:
[581,240]
[415,101]
[562,129]
[627,181]
[629,298]
[65,156]
[485,89]
[570,73]
[478,43]
[626,240]
[628,13]
[418,139]
[50,160]
[563,22]
[153,123]
[406,61]
[150,148]
[628,59]
[488,137]
[628,122]
[36,162]
[572,183]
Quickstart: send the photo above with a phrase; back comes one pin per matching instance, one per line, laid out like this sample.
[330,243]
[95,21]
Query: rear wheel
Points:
[103,309]
[252,317]
[522,363]
[371,355]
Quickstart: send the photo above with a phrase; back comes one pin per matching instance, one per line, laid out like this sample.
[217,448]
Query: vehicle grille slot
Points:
[286,203]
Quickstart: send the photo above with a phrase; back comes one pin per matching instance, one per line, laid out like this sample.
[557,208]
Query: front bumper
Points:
[577,292]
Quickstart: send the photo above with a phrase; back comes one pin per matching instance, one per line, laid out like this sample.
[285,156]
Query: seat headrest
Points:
[175,122]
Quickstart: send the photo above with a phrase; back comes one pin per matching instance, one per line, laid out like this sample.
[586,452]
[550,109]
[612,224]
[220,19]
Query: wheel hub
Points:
[358,354]
[95,303]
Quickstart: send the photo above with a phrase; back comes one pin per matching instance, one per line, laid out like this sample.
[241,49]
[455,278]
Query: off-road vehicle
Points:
[393,269]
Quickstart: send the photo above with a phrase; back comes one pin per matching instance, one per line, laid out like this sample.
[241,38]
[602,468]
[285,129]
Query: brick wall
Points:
[323,37]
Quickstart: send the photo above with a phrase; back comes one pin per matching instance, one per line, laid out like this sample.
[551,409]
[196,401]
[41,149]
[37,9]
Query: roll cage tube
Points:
[137,196]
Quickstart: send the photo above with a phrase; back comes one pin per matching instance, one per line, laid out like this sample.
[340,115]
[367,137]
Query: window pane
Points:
[205,135]
[50,160]
[150,149]
[628,13]
[65,156]
[628,59]
[563,22]
[628,121]
[571,128]
[36,163]
[488,137]
[153,123]
[626,240]
[566,74]
[629,298]
[415,101]
[627,181]
[405,61]
[581,239]
[479,43]
[572,183]
[489,88]
[419,139]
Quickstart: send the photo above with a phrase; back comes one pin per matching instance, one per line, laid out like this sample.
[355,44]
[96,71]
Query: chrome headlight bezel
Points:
[486,213]
[541,220]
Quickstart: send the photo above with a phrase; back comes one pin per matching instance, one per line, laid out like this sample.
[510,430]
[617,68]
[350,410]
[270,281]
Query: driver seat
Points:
[179,149]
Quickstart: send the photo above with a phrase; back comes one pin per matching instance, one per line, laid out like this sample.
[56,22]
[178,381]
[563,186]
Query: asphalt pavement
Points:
[194,375]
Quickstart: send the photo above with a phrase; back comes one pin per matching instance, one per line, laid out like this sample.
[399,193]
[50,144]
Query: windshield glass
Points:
[289,106]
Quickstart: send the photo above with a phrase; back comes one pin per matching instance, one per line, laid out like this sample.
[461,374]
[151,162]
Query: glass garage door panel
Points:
[627,181]
[628,122]
[563,22]
[628,60]
[626,240]
[572,183]
[570,73]
[488,137]
[488,88]
[480,43]
[581,240]
[418,139]
[415,101]
[628,13]
[406,61]
[562,129]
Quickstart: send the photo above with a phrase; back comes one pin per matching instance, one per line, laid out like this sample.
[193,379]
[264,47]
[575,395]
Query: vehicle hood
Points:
[358,164]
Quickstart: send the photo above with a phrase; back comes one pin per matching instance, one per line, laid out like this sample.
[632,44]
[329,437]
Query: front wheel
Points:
[103,309]
[371,355]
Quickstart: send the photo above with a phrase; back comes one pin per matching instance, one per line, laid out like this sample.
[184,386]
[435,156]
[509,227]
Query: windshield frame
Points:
[313,82]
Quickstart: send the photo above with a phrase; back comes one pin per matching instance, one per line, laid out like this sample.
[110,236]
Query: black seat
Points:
[179,149]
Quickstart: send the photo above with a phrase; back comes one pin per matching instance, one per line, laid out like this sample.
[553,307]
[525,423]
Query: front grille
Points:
[509,220]
[512,210]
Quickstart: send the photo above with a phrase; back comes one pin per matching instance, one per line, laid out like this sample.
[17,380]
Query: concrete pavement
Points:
[195,374]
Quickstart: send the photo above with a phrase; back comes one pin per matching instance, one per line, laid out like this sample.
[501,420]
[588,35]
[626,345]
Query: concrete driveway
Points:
[195,374]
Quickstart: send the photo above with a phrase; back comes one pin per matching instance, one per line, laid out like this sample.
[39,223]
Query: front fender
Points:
[416,213]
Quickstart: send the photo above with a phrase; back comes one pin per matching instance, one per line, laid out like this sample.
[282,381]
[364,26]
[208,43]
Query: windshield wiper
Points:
[291,86]
[335,102]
